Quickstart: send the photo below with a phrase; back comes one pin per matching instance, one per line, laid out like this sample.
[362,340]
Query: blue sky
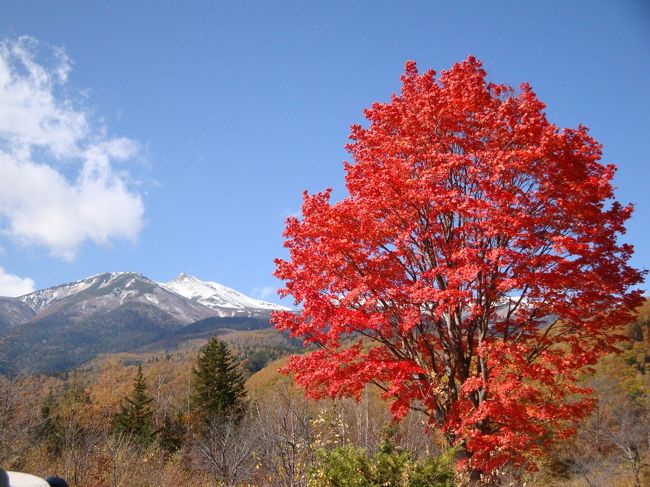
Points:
[190,129]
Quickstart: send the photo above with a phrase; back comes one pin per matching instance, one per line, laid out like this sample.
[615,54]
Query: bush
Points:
[351,466]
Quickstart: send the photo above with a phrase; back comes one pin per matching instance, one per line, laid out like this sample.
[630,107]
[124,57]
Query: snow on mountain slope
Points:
[106,292]
[185,299]
[13,312]
[225,300]
[40,300]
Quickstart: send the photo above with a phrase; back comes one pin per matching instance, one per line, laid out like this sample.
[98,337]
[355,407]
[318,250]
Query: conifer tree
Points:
[135,416]
[172,431]
[218,386]
[48,430]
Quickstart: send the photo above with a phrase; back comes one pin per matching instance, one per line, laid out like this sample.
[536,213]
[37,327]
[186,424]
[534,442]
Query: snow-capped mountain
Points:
[224,300]
[39,300]
[61,327]
[110,291]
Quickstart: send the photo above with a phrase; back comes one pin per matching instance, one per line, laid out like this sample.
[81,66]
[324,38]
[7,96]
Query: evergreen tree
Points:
[171,434]
[135,416]
[48,429]
[218,386]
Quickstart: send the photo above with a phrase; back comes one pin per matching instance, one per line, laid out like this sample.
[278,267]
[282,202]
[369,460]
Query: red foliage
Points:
[476,259]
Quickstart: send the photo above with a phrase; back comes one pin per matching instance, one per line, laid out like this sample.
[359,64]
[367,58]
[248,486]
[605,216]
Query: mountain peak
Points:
[222,300]
[102,283]
[219,297]
[184,277]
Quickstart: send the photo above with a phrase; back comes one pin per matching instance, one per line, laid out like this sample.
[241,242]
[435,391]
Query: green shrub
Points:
[351,466]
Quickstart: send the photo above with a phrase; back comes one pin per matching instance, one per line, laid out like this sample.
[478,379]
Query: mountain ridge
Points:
[225,300]
[62,326]
[210,294]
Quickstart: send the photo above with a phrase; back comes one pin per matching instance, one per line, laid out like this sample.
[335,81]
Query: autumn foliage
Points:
[473,271]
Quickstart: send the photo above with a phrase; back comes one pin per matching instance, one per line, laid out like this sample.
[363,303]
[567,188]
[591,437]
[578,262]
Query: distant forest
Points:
[67,425]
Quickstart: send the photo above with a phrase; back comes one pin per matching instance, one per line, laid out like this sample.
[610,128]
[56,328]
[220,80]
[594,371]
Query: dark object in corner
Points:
[55,481]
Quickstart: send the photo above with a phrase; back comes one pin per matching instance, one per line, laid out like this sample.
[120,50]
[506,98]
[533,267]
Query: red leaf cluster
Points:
[475,265]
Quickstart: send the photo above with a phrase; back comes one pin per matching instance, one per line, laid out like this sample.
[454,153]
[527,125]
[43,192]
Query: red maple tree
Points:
[474,267]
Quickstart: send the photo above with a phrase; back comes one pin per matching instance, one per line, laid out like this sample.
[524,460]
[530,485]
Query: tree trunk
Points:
[475,476]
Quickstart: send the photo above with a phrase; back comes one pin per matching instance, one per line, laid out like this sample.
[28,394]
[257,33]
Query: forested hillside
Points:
[66,425]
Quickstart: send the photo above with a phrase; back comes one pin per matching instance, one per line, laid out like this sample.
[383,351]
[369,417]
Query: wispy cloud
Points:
[264,292]
[11,285]
[291,213]
[59,181]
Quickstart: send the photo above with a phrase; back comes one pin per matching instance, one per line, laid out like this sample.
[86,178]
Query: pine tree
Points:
[218,386]
[135,417]
[48,429]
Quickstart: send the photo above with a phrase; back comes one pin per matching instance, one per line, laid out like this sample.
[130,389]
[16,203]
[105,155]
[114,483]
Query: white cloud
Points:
[11,285]
[263,292]
[59,184]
